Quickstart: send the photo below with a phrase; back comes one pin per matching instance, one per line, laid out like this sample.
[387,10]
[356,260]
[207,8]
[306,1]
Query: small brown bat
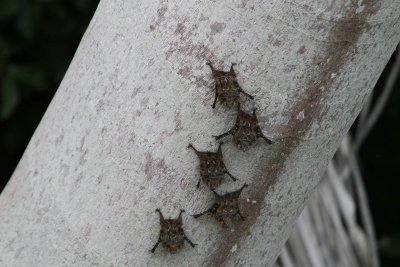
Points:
[227,89]
[171,235]
[212,167]
[225,208]
[246,130]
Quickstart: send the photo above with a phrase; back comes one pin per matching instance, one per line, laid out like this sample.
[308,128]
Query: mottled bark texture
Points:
[112,145]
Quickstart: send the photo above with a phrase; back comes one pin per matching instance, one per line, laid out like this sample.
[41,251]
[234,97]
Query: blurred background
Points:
[38,39]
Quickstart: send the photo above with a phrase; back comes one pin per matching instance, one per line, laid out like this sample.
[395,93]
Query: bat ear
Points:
[192,147]
[232,71]
[161,216]
[211,66]
[219,147]
[180,216]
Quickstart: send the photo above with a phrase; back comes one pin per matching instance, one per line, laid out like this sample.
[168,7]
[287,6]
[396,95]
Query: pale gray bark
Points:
[112,145]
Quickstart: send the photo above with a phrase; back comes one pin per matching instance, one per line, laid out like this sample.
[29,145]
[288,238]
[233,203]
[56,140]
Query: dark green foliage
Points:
[38,39]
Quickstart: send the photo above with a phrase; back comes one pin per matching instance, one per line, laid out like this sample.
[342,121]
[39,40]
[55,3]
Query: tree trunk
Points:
[112,146]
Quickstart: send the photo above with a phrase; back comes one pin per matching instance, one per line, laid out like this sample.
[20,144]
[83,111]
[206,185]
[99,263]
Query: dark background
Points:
[37,41]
